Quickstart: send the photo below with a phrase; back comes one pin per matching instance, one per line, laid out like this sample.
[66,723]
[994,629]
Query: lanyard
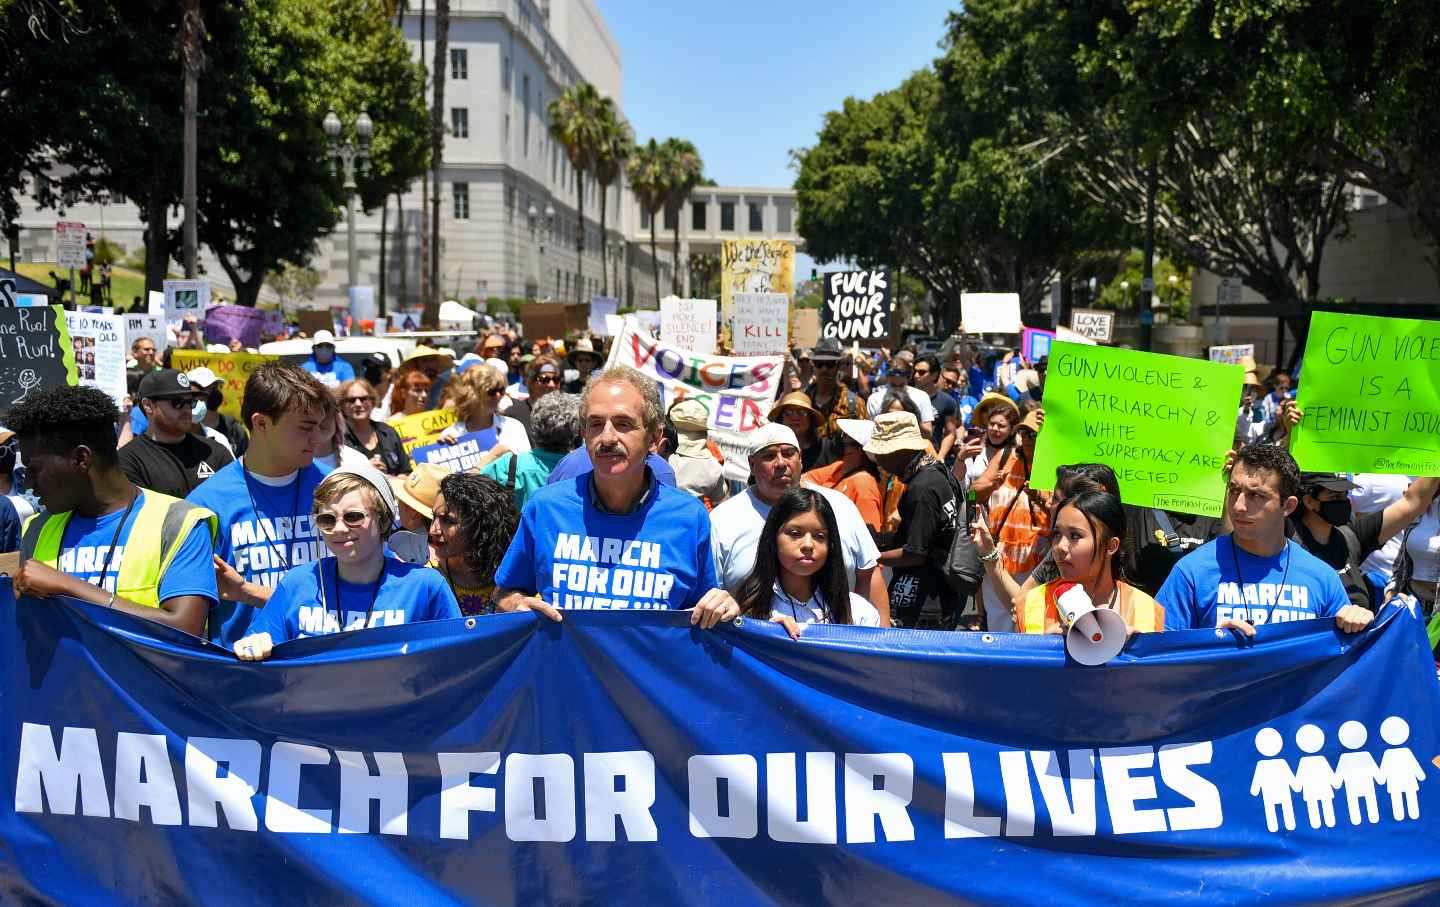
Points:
[1240,577]
[273,538]
[795,606]
[115,540]
[339,611]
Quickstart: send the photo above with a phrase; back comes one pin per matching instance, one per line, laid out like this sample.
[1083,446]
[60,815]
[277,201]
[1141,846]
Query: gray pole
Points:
[190,53]
[350,222]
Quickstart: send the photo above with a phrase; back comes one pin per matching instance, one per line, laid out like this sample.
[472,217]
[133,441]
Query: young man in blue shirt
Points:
[614,538]
[330,369]
[1256,575]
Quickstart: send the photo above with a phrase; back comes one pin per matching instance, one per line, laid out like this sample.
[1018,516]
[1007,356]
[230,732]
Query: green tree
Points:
[575,122]
[649,177]
[615,141]
[685,171]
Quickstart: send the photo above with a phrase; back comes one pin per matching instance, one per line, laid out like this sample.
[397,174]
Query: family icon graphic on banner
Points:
[1356,772]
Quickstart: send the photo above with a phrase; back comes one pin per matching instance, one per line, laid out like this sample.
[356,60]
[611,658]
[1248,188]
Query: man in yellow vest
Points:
[98,537]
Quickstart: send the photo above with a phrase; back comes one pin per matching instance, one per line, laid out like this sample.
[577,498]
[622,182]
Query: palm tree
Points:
[685,172]
[615,143]
[650,181]
[575,124]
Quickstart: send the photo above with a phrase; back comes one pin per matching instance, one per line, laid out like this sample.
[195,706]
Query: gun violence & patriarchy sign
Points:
[737,391]
[1163,423]
[1370,393]
[232,368]
[857,306]
[755,266]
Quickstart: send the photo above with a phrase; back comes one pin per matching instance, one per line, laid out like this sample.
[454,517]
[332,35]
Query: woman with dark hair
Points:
[1089,534]
[795,581]
[475,518]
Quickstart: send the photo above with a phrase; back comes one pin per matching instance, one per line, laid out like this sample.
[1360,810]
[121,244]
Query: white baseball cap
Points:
[202,378]
[322,336]
[770,434]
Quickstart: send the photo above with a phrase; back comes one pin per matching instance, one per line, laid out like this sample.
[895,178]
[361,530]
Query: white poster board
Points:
[98,342]
[70,244]
[689,323]
[990,313]
[186,298]
[151,326]
[1095,324]
[760,324]
[601,309]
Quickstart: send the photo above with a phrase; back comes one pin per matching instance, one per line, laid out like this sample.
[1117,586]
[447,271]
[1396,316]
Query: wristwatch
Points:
[992,557]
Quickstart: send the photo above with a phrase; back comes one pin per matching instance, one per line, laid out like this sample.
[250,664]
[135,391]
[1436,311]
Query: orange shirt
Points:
[860,487]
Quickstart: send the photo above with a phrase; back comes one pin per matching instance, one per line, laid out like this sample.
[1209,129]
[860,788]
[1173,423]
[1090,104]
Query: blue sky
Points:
[747,81]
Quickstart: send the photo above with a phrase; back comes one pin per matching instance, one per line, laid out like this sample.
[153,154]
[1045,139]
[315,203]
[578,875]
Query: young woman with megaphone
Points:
[1088,533]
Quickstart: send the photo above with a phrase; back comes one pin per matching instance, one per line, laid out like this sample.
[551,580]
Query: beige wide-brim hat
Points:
[420,489]
[799,400]
[894,433]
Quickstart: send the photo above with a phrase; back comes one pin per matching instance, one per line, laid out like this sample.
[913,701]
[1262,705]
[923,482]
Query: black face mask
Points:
[1336,513]
[214,399]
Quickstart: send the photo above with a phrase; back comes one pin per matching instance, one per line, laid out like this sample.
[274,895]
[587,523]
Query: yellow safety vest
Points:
[161,526]
[1141,612]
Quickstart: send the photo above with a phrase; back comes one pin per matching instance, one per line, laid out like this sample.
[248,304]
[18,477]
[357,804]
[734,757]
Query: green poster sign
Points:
[1163,423]
[1370,395]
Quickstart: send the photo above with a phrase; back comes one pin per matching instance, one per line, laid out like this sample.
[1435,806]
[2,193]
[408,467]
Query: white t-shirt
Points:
[1424,546]
[735,528]
[862,613]
[511,434]
[1376,492]
[916,395]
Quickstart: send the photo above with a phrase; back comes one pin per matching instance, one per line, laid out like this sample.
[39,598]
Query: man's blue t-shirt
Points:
[573,555]
[86,541]
[333,373]
[9,526]
[265,530]
[967,406]
[1204,588]
[577,463]
[406,594]
[979,381]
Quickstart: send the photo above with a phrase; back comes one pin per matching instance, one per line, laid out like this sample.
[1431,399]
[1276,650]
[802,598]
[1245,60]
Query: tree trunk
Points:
[424,246]
[157,238]
[604,245]
[191,29]
[247,289]
[404,252]
[675,274]
[431,317]
[579,234]
[384,234]
[1147,285]
[654,257]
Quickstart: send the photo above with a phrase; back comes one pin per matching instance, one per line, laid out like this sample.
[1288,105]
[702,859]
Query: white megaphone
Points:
[1093,635]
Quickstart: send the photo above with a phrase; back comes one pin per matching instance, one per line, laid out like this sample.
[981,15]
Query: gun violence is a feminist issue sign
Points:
[1163,423]
[1370,394]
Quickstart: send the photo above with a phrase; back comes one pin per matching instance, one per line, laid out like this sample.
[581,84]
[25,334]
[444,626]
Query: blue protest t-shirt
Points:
[967,406]
[577,463]
[333,373]
[1204,588]
[86,542]
[405,594]
[264,531]
[573,555]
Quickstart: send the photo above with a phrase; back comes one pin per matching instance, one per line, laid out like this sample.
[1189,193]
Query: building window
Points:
[510,204]
[506,134]
[525,94]
[697,215]
[460,122]
[461,193]
[727,217]
[644,219]
[459,63]
[505,75]
[757,218]
[785,212]
[671,218]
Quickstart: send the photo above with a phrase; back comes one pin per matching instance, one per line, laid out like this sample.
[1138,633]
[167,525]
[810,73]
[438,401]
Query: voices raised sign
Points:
[1163,423]
[1370,395]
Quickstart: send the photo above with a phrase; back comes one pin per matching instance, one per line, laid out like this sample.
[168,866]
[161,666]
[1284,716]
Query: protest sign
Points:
[649,319]
[1095,324]
[406,320]
[736,391]
[541,320]
[1235,353]
[312,320]
[186,298]
[1370,392]
[232,368]
[151,327]
[462,455]
[226,322]
[755,266]
[70,244]
[1163,423]
[35,352]
[601,306]
[857,306]
[1035,344]
[422,428]
[805,328]
[98,345]
[990,313]
[688,324]
[624,758]
[760,324]
[155,302]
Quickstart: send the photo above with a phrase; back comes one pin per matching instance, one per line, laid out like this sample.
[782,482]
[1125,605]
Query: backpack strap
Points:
[510,473]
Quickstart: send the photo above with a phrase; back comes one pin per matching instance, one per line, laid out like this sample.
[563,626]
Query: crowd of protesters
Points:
[872,479]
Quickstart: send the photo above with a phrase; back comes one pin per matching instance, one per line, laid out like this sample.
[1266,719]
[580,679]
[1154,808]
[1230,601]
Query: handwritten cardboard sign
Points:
[1163,423]
[421,429]
[857,306]
[98,345]
[1096,324]
[688,324]
[1235,353]
[760,324]
[1370,392]
[232,368]
[755,266]
[151,327]
[35,352]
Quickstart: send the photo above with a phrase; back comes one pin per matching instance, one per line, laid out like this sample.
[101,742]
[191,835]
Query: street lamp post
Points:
[549,232]
[350,157]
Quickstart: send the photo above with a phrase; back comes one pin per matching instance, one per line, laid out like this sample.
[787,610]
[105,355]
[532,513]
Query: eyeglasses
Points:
[902,376]
[830,364]
[326,522]
[365,399]
[548,378]
[921,373]
[182,403]
[495,392]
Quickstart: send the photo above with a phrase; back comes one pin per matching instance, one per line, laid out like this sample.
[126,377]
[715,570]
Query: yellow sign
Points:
[232,368]
[422,428]
[755,266]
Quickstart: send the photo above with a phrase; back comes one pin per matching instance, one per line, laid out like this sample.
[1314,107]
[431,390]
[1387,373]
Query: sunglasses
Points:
[550,378]
[495,391]
[326,522]
[365,399]
[831,364]
[182,403]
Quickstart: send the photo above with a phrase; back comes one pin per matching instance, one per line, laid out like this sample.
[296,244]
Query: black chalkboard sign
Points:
[32,352]
[857,307]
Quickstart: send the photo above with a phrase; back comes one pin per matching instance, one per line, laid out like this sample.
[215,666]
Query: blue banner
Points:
[625,758]
[459,456]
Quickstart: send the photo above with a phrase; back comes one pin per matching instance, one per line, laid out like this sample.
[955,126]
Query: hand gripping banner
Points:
[624,758]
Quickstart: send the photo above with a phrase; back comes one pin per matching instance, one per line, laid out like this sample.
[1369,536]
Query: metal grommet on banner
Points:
[1220,632]
[469,623]
[739,621]
[986,637]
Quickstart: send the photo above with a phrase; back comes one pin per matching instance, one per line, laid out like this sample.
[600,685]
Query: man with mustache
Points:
[614,538]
